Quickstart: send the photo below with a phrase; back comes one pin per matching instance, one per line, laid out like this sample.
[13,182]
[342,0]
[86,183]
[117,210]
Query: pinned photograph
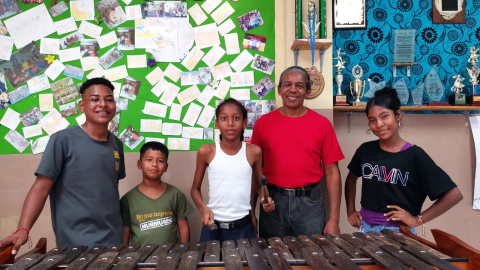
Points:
[126,38]
[3,29]
[164,9]
[254,42]
[189,78]
[121,104]
[250,20]
[58,9]
[38,84]
[9,8]
[258,106]
[89,48]
[204,75]
[4,101]
[263,87]
[114,124]
[17,140]
[252,118]
[24,64]
[73,72]
[82,10]
[109,58]
[111,12]
[263,64]
[68,109]
[71,39]
[31,116]
[131,138]
[130,88]
[208,134]
[20,93]
[64,91]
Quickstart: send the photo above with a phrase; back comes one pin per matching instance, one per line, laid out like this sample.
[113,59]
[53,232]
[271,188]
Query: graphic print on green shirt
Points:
[154,221]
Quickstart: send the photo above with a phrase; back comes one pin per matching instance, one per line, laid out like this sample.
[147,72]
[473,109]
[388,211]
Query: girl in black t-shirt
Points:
[396,175]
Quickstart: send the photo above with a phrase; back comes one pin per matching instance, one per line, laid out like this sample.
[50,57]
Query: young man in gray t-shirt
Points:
[80,170]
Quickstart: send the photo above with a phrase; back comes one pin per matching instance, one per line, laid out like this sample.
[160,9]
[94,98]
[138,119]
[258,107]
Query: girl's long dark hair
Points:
[239,105]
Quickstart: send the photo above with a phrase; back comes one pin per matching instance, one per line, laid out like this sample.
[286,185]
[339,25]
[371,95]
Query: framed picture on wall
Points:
[448,11]
[349,14]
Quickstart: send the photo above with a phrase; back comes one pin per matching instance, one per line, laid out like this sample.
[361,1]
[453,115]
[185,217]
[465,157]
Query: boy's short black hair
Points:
[94,81]
[156,146]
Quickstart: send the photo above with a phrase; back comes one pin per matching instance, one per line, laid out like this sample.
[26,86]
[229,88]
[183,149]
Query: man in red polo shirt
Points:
[296,142]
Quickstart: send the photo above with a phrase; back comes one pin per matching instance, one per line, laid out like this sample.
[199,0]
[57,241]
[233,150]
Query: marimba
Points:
[388,250]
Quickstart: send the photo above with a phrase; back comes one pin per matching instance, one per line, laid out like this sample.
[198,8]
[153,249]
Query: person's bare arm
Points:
[205,212]
[32,207]
[126,236]
[334,188]
[441,205]
[354,216]
[184,230]
[268,205]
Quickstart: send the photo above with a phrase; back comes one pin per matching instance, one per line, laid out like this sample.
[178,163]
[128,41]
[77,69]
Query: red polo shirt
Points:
[294,148]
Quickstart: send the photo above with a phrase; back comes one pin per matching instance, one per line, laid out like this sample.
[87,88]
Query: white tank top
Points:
[230,182]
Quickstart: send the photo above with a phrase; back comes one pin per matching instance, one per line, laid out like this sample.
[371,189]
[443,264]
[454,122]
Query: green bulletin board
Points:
[134,114]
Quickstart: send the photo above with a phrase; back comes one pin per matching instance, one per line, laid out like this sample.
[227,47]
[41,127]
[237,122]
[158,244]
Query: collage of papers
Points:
[171,63]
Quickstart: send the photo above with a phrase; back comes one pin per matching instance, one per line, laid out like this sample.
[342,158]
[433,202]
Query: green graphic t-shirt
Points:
[154,221]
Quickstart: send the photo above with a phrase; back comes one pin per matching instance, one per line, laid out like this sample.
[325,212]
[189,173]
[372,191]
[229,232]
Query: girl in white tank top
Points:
[234,169]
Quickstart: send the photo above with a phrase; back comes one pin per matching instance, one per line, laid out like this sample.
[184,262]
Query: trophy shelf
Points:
[303,44]
[411,108]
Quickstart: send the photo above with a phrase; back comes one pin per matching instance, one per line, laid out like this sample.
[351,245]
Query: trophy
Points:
[357,87]
[434,87]
[474,99]
[339,99]
[311,21]
[458,97]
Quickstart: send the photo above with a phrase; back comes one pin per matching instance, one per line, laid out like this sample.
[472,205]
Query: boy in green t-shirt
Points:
[155,212]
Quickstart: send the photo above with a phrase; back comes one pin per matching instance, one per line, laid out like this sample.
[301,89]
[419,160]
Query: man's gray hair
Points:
[297,69]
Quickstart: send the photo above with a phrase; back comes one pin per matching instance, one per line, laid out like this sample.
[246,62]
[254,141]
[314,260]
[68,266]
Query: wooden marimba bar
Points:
[389,250]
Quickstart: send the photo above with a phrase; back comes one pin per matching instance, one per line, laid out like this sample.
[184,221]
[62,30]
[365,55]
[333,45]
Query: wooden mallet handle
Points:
[263,181]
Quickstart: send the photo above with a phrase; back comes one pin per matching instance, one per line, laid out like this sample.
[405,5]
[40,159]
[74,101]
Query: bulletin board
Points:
[133,115]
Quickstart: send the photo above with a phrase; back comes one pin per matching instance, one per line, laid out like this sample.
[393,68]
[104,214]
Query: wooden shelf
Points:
[305,45]
[403,64]
[411,108]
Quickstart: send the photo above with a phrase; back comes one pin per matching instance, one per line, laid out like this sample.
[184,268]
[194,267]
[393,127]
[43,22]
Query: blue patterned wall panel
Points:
[444,45]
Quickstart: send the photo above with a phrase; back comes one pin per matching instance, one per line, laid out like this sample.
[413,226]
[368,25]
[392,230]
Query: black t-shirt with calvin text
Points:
[404,179]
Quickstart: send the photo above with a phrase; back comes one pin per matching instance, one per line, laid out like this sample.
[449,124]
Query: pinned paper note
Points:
[171,129]
[70,54]
[226,27]
[155,109]
[160,87]
[192,133]
[6,47]
[231,44]
[90,29]
[175,112]
[192,114]
[169,94]
[49,46]
[221,71]
[223,12]
[137,61]
[66,26]
[46,102]
[197,14]
[213,56]
[32,131]
[53,122]
[172,72]
[222,89]
[242,79]
[40,144]
[116,73]
[206,95]
[242,61]
[188,95]
[39,83]
[192,59]
[206,36]
[16,139]
[149,125]
[178,144]
[206,117]
[151,139]
[89,63]
[155,76]
[55,69]
[10,119]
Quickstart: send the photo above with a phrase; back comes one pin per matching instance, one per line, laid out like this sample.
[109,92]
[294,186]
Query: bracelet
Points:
[20,229]
[423,224]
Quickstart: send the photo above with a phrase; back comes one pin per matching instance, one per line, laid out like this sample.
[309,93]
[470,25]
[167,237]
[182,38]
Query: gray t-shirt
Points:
[84,199]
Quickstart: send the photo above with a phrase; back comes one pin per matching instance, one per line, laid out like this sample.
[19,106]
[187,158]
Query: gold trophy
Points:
[357,87]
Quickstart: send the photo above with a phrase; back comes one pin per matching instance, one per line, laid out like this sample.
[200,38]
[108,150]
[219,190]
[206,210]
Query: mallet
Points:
[263,181]
[212,226]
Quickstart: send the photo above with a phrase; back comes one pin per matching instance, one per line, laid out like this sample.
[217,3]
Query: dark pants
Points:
[246,231]
[293,216]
